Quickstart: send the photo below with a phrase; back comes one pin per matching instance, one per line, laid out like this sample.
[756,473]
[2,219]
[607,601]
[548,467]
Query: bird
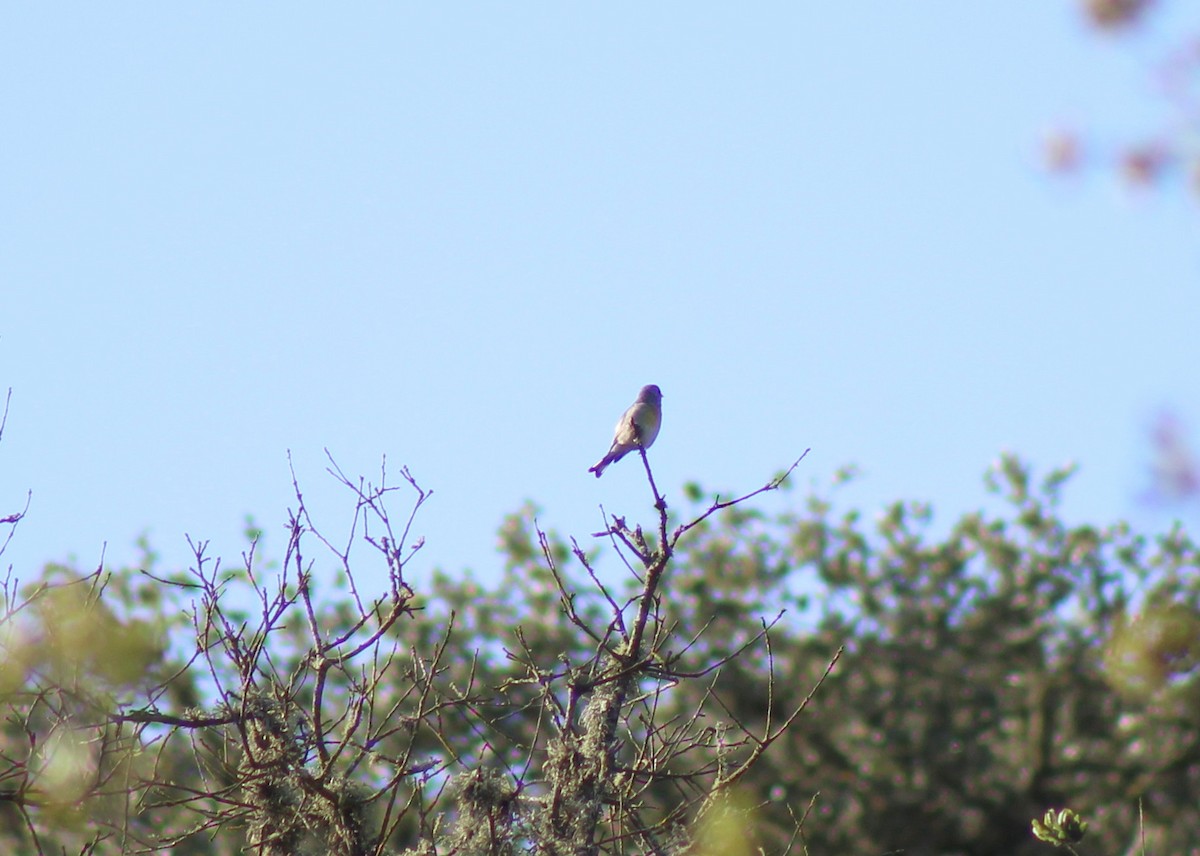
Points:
[638,426]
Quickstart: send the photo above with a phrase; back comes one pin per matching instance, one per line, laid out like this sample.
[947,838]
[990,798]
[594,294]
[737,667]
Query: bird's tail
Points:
[600,466]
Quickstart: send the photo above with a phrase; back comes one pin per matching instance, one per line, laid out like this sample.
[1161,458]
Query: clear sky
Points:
[464,236]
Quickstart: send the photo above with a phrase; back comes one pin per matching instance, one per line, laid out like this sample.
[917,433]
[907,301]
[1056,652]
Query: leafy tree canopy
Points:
[803,680]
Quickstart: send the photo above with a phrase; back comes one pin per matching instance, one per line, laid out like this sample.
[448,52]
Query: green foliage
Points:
[73,649]
[984,669]
[1062,829]
[985,676]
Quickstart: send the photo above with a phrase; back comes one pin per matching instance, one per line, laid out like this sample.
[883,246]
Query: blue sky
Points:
[464,236]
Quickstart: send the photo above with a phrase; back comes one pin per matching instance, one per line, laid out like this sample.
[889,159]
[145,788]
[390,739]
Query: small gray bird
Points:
[638,426]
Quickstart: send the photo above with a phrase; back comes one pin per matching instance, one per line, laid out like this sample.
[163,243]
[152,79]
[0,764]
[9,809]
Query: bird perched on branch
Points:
[638,426]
